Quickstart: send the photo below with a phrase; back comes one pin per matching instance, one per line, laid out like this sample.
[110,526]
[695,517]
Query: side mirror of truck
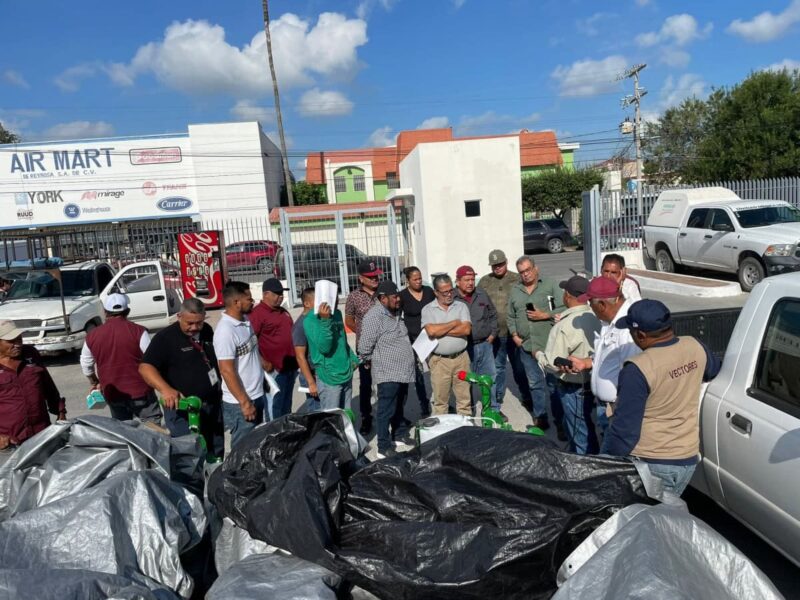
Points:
[722,227]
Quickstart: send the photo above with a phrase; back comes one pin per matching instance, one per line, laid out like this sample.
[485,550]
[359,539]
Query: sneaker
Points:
[404,439]
[366,426]
[387,453]
[541,422]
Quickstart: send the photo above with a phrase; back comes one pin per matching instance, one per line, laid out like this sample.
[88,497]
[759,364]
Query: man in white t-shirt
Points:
[236,347]
[612,346]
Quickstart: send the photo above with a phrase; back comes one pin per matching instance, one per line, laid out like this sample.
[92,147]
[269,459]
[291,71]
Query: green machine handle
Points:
[192,405]
[491,417]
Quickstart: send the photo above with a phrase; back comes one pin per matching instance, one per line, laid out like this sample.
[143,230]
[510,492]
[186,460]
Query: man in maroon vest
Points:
[110,359]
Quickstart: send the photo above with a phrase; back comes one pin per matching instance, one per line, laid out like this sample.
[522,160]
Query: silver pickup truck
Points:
[712,228]
[750,418]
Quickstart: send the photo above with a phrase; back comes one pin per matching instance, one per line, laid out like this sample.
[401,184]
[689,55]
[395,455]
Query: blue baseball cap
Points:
[647,316]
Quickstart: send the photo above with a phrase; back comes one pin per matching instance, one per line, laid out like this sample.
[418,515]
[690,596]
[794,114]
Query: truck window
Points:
[777,379]
[141,279]
[104,276]
[719,217]
[767,215]
[697,219]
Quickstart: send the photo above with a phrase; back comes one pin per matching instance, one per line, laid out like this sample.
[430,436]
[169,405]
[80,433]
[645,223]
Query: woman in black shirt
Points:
[413,298]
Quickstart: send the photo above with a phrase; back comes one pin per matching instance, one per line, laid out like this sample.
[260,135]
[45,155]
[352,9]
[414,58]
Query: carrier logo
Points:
[95,195]
[173,204]
[72,211]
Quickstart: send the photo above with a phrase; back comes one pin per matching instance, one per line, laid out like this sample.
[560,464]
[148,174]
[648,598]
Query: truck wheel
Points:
[555,245]
[664,262]
[751,272]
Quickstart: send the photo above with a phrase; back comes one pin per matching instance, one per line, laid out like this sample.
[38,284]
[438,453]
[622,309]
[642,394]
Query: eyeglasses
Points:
[528,270]
[445,292]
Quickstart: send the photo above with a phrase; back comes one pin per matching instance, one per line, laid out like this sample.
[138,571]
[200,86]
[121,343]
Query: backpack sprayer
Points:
[192,405]
[490,418]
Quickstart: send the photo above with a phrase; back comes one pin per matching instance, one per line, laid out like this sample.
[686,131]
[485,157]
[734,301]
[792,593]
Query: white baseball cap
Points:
[116,303]
[9,331]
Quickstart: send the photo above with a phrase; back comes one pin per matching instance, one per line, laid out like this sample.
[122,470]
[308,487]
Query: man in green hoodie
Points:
[331,357]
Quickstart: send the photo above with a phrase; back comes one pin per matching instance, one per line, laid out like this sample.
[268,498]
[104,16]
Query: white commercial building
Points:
[212,172]
[467,201]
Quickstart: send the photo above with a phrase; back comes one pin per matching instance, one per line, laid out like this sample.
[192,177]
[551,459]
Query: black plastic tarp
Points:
[474,513]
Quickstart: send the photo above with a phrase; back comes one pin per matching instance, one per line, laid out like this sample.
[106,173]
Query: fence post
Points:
[288,257]
[391,223]
[591,230]
[341,252]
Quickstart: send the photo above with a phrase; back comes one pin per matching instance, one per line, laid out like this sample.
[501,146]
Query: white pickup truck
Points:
[750,418]
[712,228]
[56,317]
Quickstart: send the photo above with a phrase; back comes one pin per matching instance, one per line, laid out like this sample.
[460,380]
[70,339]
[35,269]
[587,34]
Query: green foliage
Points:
[308,193]
[558,190]
[8,137]
[750,131]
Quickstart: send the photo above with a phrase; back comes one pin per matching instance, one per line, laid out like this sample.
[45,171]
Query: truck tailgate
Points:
[712,327]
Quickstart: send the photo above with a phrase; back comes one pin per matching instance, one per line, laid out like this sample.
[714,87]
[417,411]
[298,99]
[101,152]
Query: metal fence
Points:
[613,221]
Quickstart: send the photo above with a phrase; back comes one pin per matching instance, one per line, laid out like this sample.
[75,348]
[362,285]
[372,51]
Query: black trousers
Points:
[365,392]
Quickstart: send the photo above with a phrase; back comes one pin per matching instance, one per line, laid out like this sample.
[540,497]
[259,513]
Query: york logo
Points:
[45,197]
[173,204]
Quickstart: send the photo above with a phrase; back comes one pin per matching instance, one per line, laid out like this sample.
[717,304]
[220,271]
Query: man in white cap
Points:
[27,392]
[110,359]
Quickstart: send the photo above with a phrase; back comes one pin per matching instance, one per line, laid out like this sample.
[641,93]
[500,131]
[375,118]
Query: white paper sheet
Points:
[324,291]
[274,388]
[424,345]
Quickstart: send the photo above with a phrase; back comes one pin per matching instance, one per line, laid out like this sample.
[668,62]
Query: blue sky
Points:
[355,72]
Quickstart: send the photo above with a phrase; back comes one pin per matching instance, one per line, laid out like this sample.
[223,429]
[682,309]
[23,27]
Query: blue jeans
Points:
[282,401]
[675,477]
[312,402]
[334,396]
[504,350]
[422,393]
[536,383]
[237,424]
[578,405]
[481,361]
[389,394]
[602,419]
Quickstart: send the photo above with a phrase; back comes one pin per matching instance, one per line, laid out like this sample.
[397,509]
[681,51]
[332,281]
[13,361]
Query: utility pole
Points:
[636,100]
[287,176]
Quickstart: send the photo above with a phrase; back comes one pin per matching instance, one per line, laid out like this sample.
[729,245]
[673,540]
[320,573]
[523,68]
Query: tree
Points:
[8,137]
[750,131]
[307,193]
[558,190]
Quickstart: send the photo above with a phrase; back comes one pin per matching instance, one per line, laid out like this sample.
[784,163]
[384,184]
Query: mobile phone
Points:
[560,361]
[530,306]
[551,302]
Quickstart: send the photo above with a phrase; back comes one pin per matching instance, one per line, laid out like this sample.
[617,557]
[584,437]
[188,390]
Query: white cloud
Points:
[674,57]
[382,137]
[457,4]
[247,110]
[15,78]
[69,80]
[319,103]
[589,77]
[591,26]
[194,57]
[491,122]
[787,64]
[78,129]
[680,30]
[767,26]
[674,92]
[365,7]
[434,123]
[19,120]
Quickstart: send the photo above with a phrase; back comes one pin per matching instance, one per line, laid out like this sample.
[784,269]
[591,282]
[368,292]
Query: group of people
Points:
[590,356]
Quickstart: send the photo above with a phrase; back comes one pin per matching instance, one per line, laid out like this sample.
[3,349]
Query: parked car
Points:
[624,232]
[546,234]
[321,261]
[57,316]
[750,415]
[714,229]
[253,255]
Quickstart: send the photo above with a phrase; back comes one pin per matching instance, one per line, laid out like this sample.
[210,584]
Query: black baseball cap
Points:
[387,288]
[368,268]
[272,285]
[575,286]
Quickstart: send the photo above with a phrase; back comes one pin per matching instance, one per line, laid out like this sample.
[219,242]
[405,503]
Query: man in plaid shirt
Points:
[385,346]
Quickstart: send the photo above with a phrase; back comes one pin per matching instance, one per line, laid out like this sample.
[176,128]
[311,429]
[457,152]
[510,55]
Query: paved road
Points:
[73,385]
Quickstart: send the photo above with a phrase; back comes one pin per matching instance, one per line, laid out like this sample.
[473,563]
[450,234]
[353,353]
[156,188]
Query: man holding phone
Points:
[531,306]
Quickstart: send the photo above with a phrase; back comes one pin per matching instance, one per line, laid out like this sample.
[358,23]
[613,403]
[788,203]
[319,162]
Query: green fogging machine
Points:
[192,405]
[491,418]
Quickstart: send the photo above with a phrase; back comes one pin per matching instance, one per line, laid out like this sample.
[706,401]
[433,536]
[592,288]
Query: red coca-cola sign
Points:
[154,156]
[202,266]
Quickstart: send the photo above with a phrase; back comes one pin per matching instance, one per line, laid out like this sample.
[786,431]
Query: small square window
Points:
[359,185]
[339,184]
[392,182]
[472,208]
